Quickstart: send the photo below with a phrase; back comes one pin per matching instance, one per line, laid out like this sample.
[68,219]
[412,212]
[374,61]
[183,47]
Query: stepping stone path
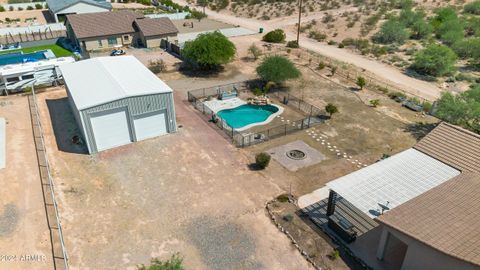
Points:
[321,137]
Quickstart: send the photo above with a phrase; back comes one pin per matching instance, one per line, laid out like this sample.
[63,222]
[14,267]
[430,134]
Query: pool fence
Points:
[313,114]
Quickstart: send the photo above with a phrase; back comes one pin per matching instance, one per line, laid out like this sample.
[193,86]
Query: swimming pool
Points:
[19,57]
[247,116]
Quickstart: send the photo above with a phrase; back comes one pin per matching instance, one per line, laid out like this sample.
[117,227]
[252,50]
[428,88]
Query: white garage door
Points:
[151,125]
[110,130]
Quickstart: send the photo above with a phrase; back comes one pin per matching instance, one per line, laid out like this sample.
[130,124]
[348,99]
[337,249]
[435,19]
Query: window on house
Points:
[100,43]
[126,38]
[112,41]
[27,77]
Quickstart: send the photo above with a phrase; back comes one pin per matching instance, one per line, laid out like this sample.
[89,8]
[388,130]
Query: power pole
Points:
[299,21]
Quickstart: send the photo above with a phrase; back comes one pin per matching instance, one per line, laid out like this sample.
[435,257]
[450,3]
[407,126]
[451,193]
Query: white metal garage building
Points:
[117,100]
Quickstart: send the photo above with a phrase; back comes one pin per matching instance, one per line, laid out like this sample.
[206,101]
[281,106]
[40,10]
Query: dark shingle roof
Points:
[103,23]
[156,27]
[445,217]
[58,5]
[454,146]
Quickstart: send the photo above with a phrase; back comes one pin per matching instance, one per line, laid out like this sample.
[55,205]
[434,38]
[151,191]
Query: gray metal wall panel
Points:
[78,118]
[135,106]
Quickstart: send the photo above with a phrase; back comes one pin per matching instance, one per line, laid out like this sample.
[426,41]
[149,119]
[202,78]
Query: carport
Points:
[117,100]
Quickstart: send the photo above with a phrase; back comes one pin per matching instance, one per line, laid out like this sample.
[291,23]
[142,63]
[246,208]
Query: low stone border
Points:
[283,230]
[300,249]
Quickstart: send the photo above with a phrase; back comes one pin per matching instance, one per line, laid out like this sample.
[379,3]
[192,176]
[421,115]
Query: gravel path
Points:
[223,244]
[8,220]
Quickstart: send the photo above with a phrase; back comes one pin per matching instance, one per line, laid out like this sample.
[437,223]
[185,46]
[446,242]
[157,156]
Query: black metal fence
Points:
[313,115]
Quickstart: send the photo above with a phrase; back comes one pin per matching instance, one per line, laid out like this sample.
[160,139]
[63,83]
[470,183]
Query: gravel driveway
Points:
[189,192]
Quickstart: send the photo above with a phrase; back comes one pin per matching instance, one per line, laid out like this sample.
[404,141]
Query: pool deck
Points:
[216,105]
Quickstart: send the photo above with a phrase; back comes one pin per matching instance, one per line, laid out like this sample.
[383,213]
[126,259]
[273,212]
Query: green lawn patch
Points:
[57,50]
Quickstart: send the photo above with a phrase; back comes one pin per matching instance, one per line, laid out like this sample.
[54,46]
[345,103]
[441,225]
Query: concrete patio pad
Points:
[312,157]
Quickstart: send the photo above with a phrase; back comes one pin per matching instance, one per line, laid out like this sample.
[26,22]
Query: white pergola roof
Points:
[396,179]
[101,80]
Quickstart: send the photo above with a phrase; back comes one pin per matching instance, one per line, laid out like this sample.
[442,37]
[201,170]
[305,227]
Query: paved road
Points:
[411,85]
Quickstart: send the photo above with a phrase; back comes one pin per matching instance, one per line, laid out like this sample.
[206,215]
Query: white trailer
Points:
[14,78]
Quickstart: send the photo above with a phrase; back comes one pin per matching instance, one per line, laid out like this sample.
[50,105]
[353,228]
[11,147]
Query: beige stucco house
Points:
[104,31]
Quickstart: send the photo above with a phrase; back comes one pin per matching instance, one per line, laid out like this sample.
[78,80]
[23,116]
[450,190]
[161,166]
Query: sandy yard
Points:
[176,193]
[185,26]
[23,224]
[27,18]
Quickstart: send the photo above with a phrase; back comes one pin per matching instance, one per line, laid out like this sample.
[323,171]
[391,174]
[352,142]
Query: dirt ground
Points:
[185,26]
[318,245]
[176,193]
[27,18]
[23,225]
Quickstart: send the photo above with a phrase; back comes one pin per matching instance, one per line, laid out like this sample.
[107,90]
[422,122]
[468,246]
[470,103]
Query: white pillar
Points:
[382,244]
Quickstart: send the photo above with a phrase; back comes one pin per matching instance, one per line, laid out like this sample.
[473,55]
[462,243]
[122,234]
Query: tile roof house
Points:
[97,31]
[425,202]
[60,8]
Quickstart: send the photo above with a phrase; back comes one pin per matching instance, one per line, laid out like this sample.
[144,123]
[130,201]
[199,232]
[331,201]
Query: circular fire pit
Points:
[296,154]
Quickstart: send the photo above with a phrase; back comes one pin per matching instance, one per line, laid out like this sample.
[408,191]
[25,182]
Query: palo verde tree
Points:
[462,109]
[277,69]
[209,50]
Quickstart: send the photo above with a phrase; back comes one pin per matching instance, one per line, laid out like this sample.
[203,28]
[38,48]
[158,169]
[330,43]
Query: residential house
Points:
[418,209]
[100,31]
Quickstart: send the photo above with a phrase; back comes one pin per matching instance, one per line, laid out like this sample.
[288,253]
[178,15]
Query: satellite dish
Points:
[384,206]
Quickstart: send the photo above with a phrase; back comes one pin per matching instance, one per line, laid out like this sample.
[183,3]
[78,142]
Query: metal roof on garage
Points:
[59,5]
[395,180]
[97,81]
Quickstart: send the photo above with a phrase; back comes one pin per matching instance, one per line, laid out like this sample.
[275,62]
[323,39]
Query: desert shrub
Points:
[331,109]
[10,8]
[38,6]
[435,60]
[288,217]
[472,8]
[374,102]
[361,82]
[275,36]
[254,51]
[282,198]
[321,65]
[392,31]
[29,8]
[19,8]
[157,66]
[277,69]
[318,36]
[174,263]
[427,106]
[468,48]
[2,9]
[262,160]
[195,14]
[396,95]
[421,29]
[292,44]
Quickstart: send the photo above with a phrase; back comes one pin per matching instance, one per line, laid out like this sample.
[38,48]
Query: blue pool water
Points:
[244,115]
[18,57]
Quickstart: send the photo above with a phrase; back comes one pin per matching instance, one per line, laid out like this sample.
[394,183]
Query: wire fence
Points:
[348,72]
[313,115]
[48,185]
